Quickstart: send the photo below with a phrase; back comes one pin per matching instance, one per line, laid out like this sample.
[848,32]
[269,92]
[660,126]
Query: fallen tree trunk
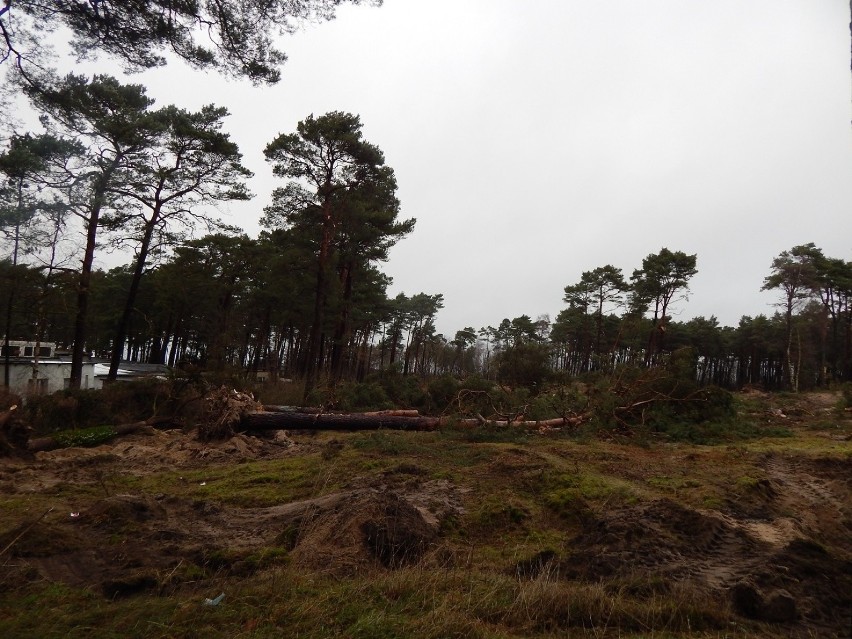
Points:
[68,439]
[306,410]
[332,421]
[268,420]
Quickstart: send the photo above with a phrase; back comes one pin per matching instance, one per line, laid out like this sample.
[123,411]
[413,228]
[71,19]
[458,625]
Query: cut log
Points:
[374,421]
[329,421]
[393,413]
[309,410]
[6,415]
[276,408]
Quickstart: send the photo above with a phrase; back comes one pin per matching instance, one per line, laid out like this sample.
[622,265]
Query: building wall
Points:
[52,376]
[19,348]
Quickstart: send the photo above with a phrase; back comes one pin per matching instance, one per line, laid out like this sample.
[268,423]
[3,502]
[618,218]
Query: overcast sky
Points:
[534,140]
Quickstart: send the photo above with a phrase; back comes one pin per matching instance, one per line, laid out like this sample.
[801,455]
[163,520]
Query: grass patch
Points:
[253,484]
[488,434]
[85,437]
[672,484]
[569,488]
[720,432]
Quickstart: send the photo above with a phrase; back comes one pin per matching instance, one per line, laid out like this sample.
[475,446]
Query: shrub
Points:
[403,390]
[526,364]
[362,397]
[663,399]
[117,403]
[443,391]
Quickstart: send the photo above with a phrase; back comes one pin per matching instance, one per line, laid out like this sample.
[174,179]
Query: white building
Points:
[52,373]
[18,348]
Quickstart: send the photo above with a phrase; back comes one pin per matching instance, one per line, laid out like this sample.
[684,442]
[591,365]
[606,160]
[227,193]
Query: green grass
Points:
[252,484]
[415,602]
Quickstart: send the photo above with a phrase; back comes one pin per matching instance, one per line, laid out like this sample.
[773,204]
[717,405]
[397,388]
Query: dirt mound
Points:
[661,537]
[364,528]
[42,540]
[122,544]
[801,582]
[389,523]
[123,513]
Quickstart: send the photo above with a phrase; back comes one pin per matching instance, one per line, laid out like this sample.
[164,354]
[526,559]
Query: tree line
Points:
[307,297]
[610,321]
[230,303]
[110,170]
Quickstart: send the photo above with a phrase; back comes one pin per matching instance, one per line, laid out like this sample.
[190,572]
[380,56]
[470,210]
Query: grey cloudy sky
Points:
[539,139]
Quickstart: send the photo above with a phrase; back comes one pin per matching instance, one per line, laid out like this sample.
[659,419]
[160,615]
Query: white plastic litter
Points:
[214,602]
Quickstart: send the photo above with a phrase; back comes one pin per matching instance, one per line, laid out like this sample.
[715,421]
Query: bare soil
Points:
[779,548]
[390,520]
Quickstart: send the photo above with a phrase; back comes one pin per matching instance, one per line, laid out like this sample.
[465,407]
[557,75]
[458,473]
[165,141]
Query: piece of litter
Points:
[75,515]
[204,483]
[214,602]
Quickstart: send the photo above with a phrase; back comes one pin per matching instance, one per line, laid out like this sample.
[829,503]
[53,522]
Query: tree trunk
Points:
[124,322]
[787,378]
[85,279]
[13,285]
[51,443]
[314,341]
[177,345]
[7,348]
[342,333]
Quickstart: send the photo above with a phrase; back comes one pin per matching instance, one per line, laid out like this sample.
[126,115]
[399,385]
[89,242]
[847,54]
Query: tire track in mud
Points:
[722,559]
[801,504]
[780,555]
[667,538]
[819,504]
[784,469]
[716,548]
